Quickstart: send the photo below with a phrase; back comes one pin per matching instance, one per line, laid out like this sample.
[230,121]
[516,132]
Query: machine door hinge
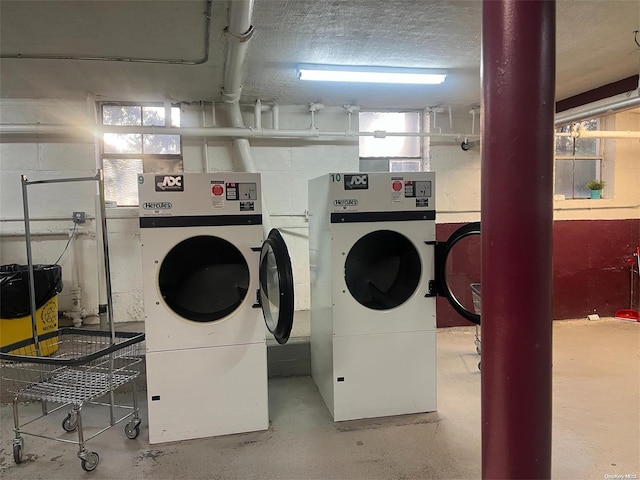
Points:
[432,289]
[435,285]
[258,303]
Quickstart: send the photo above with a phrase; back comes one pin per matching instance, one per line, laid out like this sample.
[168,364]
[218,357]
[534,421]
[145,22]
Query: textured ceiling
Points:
[595,46]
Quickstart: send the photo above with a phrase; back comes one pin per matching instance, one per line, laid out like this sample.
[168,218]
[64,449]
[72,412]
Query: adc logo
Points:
[169,183]
[356,182]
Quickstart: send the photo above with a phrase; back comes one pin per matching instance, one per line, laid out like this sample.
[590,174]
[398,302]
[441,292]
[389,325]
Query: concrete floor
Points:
[596,426]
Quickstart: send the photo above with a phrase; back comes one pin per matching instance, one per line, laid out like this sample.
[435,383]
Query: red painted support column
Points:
[518,82]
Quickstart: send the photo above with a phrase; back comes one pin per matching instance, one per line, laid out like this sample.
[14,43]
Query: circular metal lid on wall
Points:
[276,286]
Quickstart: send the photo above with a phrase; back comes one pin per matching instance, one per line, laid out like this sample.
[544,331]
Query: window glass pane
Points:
[404,165]
[175,116]
[564,145]
[121,173]
[588,146]
[121,180]
[390,122]
[163,165]
[121,115]
[153,116]
[122,143]
[583,171]
[374,164]
[569,146]
[564,178]
[166,144]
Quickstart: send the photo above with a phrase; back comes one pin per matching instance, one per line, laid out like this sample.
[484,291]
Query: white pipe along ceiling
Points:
[238,33]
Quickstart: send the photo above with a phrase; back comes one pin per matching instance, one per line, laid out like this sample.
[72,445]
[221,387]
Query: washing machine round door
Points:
[382,270]
[204,278]
[458,271]
[276,286]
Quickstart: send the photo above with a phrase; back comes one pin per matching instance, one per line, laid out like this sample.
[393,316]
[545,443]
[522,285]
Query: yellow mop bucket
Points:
[15,306]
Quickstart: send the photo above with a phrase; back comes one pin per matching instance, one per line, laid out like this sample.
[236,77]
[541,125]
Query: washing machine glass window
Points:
[276,286]
[204,278]
[382,270]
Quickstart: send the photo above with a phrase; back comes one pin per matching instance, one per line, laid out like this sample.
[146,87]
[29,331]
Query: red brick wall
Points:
[591,273]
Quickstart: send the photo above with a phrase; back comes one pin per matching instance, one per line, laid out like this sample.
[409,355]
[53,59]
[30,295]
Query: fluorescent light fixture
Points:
[341,73]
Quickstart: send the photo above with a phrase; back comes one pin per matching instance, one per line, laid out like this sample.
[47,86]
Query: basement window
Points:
[383,153]
[125,155]
[577,160]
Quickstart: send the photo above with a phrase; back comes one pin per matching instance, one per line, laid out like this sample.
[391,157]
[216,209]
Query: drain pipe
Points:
[239,32]
[101,282]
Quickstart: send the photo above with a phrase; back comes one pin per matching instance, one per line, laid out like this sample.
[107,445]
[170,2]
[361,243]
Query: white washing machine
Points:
[206,273]
[373,311]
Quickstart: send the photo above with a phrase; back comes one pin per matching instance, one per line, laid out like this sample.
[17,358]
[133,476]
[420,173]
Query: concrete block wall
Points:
[286,166]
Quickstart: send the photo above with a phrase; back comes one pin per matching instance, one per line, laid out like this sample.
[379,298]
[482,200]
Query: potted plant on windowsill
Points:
[595,186]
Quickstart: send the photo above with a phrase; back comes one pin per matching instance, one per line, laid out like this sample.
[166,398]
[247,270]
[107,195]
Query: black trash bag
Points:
[14,288]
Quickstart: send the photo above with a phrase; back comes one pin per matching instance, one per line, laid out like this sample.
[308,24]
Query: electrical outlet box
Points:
[78,217]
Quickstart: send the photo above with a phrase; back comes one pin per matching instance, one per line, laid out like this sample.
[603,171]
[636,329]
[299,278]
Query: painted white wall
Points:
[285,165]
[621,171]
[457,171]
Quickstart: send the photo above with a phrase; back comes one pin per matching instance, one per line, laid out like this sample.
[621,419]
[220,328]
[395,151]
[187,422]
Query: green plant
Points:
[595,184]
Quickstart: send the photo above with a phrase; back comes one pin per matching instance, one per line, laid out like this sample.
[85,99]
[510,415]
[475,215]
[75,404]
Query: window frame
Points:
[146,158]
[423,147]
[600,155]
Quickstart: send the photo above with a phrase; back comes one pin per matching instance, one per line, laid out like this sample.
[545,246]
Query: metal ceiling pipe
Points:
[618,103]
[518,86]
[239,32]
[232,132]
[581,133]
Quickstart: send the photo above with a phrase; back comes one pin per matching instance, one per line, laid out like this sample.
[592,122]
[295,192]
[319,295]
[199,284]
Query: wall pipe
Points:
[79,312]
[582,133]
[266,133]
[43,219]
[205,144]
[234,132]
[52,233]
[239,32]
[518,65]
[257,115]
[618,103]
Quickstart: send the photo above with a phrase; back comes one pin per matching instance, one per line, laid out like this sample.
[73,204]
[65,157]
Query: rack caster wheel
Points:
[70,423]
[132,429]
[18,445]
[480,366]
[90,462]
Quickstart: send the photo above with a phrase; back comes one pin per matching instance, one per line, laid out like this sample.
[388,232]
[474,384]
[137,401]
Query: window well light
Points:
[340,73]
